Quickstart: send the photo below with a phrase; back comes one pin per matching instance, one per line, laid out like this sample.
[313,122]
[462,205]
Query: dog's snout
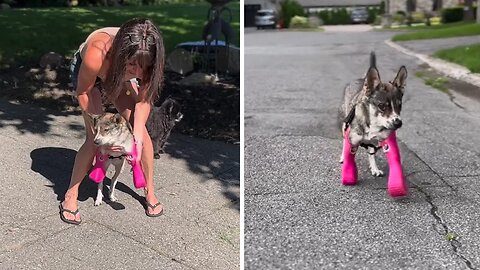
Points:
[96,141]
[397,123]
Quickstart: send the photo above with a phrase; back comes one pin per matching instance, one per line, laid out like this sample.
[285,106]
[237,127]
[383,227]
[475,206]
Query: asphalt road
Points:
[198,182]
[297,213]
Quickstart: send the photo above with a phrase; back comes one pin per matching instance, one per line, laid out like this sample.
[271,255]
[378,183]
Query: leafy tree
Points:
[291,8]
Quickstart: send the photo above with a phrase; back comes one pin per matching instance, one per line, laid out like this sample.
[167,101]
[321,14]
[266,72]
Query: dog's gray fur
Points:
[161,122]
[371,109]
[112,130]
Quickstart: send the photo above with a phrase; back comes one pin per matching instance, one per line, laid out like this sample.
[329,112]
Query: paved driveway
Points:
[299,216]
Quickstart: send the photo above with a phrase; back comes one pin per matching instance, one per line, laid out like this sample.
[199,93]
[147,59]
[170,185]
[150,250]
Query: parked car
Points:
[359,15]
[266,18]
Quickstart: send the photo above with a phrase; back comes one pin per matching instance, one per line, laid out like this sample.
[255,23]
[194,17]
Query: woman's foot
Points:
[69,211]
[153,207]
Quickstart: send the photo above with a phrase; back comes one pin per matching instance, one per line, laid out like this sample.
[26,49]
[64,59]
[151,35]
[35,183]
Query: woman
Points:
[101,71]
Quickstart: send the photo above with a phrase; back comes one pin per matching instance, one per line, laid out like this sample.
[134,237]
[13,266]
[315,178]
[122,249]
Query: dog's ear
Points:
[118,118]
[93,118]
[170,107]
[401,79]
[373,80]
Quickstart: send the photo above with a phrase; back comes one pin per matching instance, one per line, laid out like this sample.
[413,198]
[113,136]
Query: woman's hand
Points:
[113,149]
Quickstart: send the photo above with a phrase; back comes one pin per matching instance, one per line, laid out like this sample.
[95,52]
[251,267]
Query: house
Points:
[313,6]
[421,5]
[394,5]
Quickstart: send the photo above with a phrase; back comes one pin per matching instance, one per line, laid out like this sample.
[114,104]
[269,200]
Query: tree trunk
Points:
[468,11]
[478,12]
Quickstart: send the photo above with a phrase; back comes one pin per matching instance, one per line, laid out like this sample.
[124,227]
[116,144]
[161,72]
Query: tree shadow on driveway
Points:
[214,161]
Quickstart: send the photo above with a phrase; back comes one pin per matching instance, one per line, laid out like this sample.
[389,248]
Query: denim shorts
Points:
[75,68]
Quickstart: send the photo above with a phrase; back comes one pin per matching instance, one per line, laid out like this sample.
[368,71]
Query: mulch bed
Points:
[210,111]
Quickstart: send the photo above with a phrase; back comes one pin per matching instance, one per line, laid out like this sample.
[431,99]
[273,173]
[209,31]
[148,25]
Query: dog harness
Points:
[119,157]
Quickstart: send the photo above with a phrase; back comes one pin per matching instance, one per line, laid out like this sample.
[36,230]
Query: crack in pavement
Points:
[27,243]
[447,232]
[144,245]
[429,167]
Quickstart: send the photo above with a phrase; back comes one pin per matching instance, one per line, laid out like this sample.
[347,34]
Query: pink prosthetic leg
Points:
[349,167]
[138,177]
[396,180]
[98,172]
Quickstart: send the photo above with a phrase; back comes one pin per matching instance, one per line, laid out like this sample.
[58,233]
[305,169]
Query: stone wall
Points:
[401,5]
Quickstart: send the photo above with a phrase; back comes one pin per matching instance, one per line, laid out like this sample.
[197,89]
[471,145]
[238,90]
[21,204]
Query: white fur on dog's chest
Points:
[371,136]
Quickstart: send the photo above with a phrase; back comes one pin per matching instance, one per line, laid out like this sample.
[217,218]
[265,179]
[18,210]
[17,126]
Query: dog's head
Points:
[171,109]
[110,129]
[385,99]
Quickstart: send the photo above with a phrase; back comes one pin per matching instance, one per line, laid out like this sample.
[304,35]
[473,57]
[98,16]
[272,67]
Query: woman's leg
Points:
[83,161]
[126,106]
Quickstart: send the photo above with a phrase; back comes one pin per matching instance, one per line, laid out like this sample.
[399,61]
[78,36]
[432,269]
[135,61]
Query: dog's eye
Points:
[106,129]
[382,106]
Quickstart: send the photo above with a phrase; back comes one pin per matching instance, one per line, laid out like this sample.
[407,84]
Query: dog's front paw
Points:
[376,172]
[98,201]
[113,198]
[156,156]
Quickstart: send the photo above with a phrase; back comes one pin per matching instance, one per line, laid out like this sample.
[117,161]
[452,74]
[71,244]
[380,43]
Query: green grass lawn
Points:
[27,34]
[467,56]
[441,31]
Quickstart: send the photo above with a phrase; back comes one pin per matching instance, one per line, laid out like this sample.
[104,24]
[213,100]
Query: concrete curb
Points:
[446,68]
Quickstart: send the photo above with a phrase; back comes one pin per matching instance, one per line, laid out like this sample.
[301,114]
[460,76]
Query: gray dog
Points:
[371,110]
[161,122]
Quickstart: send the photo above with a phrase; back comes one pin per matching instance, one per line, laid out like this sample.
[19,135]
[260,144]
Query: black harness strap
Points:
[122,156]
[349,117]
[375,148]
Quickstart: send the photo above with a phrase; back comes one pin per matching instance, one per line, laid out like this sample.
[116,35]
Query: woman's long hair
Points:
[136,39]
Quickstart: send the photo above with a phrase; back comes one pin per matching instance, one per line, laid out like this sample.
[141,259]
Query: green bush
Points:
[418,17]
[435,20]
[324,16]
[335,16]
[453,14]
[373,13]
[342,15]
[9,2]
[398,18]
[290,9]
[299,22]
[378,20]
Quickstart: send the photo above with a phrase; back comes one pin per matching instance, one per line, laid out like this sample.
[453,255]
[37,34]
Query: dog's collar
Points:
[112,157]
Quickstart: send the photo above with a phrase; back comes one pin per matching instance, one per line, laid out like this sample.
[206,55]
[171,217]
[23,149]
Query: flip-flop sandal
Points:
[66,220]
[153,208]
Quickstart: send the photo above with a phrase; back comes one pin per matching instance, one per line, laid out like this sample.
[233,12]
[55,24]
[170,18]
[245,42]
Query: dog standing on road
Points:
[161,122]
[370,115]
